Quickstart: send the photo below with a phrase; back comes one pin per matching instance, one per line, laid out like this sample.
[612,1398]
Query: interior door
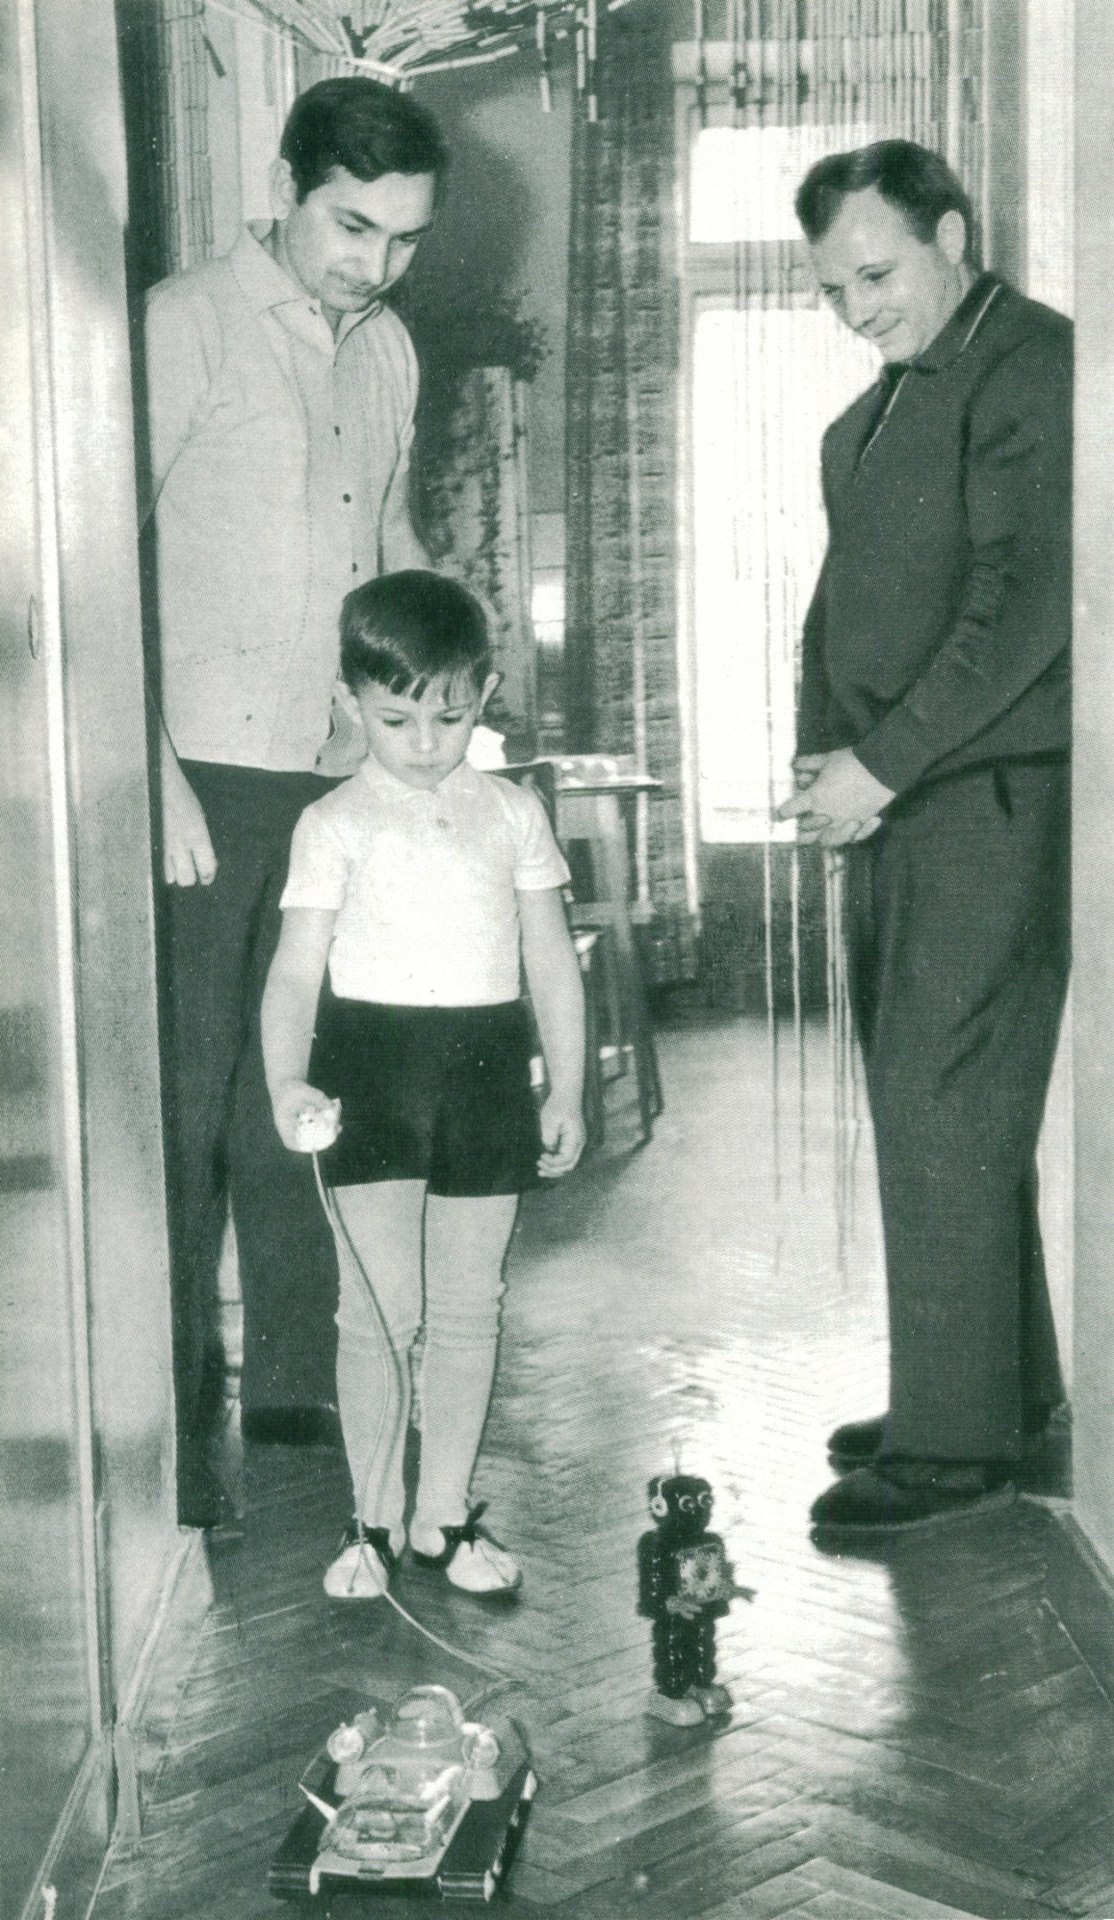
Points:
[50,1697]
[88,1542]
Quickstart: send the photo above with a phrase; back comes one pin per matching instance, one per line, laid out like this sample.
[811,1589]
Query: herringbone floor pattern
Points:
[913,1736]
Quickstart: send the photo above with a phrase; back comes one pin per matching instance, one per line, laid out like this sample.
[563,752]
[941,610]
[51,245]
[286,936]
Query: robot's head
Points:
[681,1502]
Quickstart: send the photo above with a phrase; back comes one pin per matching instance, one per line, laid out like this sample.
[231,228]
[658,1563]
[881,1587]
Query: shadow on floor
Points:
[913,1735]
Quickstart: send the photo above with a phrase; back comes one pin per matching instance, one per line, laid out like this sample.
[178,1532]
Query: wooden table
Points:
[594,808]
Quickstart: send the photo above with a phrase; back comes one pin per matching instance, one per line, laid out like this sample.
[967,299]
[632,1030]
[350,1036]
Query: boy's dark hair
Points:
[363,126]
[912,178]
[405,630]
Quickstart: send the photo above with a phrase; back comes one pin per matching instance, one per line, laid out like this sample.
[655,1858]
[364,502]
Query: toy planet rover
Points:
[411,1800]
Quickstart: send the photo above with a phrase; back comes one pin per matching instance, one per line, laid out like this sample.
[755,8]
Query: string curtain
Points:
[694,517]
[398,40]
[621,426]
[770,367]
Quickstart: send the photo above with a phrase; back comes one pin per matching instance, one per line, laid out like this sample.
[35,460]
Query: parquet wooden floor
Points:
[913,1736]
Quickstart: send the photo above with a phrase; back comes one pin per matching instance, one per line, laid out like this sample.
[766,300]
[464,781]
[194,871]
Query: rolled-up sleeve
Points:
[181,339]
[399,546]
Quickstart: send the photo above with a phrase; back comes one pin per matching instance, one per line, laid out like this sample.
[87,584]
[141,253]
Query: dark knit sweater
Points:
[939,633]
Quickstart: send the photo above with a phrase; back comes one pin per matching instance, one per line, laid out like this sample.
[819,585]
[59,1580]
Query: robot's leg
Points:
[704,1691]
[674,1649]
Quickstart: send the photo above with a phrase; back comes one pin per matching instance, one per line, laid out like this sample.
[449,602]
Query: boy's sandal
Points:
[472,1560]
[362,1568]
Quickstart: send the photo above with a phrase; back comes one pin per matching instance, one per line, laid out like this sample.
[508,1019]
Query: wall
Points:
[1004,213]
[1050,160]
[1094,782]
[1047,142]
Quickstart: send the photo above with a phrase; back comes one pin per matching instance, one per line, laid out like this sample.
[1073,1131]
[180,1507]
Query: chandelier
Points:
[397,40]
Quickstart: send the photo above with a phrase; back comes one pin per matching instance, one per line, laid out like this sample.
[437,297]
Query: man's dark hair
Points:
[363,126]
[912,178]
[405,630]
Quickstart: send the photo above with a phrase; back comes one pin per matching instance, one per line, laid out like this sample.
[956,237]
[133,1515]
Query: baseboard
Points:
[147,1708]
[70,1869]
[1080,1587]
[108,1779]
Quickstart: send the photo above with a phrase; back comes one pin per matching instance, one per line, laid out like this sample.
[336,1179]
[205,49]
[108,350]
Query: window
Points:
[765,382]
[743,179]
[767,368]
[766,365]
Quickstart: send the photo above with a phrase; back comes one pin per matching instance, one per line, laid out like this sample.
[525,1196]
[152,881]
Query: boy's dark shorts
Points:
[440,1094]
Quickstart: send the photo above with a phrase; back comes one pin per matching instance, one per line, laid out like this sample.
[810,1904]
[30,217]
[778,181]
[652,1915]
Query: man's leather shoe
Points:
[899,1496]
[291,1426]
[856,1444]
[860,1441]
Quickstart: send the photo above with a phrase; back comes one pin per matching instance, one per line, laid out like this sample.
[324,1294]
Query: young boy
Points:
[424,886]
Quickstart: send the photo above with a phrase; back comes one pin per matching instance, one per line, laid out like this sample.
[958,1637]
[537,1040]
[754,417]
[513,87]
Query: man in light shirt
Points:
[280,398]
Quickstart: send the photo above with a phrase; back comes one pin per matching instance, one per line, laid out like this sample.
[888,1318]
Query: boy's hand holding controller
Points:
[307,1120]
[563,1136]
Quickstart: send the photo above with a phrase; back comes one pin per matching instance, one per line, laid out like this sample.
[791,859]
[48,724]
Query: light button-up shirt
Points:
[279,480]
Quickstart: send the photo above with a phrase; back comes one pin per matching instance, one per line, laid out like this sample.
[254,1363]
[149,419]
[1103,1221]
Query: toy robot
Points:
[685,1584]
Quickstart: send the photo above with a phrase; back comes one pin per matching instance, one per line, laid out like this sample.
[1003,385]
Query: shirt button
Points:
[355,568]
[347,497]
[336,430]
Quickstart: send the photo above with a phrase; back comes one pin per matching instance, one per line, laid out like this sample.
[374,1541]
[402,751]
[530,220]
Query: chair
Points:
[584,799]
[587,945]
[590,802]
[541,777]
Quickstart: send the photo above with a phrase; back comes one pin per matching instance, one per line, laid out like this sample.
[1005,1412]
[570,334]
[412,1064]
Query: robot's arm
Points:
[732,1589]
[652,1583]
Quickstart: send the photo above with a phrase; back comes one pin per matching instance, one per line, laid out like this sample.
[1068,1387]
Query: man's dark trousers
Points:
[958,930]
[218,942]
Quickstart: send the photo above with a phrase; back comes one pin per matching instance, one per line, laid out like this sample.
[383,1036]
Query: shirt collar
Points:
[956,336]
[387,786]
[264,284]
[260,278]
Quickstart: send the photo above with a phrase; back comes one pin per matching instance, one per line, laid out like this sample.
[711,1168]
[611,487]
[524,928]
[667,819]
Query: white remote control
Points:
[317,1127]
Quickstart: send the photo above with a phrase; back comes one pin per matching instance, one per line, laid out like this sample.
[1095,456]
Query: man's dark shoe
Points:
[898,1496]
[856,1444]
[860,1441]
[291,1426]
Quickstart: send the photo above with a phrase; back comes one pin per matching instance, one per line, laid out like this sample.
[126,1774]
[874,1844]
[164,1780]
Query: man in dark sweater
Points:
[933,744]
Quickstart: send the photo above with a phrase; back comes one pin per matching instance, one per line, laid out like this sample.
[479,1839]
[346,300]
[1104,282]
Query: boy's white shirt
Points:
[423,884]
